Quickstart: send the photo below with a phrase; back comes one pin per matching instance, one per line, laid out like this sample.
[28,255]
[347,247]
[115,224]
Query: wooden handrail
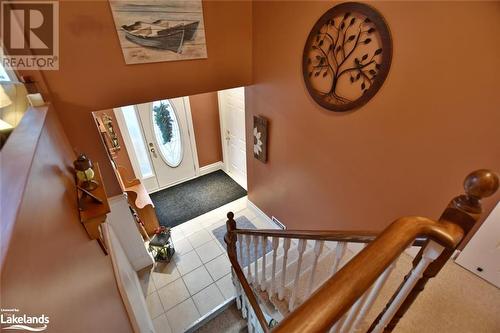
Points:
[230,239]
[332,300]
[322,235]
[464,210]
[338,294]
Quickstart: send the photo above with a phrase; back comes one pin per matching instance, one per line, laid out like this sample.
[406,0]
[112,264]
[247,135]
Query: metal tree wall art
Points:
[347,56]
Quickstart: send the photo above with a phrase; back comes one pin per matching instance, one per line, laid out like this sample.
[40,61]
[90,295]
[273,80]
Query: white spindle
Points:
[353,311]
[318,248]
[275,244]
[431,252]
[351,315]
[240,249]
[263,279]
[301,248]
[249,315]
[339,254]
[256,256]
[286,247]
[237,287]
[370,298]
[244,305]
[249,271]
[338,324]
[254,321]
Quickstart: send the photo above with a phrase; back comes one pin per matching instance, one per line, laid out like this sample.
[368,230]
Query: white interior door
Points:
[482,254]
[232,111]
[171,148]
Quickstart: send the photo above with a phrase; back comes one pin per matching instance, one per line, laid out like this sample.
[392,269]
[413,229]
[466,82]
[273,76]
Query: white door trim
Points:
[222,133]
[225,153]
[192,138]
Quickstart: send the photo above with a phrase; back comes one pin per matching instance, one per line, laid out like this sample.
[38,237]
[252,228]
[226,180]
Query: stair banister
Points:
[340,292]
[463,210]
[359,281]
[230,239]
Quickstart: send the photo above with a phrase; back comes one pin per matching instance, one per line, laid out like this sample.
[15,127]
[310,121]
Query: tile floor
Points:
[198,279]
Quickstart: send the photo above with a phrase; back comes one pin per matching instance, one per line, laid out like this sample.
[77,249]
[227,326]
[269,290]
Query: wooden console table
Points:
[93,213]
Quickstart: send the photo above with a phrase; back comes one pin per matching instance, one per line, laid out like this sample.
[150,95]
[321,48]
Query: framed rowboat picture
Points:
[160,30]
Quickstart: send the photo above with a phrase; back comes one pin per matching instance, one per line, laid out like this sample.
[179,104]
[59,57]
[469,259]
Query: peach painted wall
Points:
[93,75]
[408,150]
[206,123]
[51,266]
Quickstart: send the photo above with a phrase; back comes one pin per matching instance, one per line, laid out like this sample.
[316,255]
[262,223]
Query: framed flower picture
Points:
[260,138]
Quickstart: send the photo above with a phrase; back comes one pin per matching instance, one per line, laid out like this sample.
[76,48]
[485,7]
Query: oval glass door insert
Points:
[167,132]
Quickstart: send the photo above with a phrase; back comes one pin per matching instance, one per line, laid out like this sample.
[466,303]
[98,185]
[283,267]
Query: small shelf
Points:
[93,213]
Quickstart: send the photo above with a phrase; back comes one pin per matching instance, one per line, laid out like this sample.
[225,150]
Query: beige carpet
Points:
[456,301]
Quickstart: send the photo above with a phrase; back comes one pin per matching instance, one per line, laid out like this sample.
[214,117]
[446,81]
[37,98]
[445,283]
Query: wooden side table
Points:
[93,213]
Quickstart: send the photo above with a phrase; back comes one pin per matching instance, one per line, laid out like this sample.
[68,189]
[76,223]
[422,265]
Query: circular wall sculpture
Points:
[347,56]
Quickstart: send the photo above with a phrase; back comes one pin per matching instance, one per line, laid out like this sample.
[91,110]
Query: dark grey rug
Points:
[242,223]
[183,202]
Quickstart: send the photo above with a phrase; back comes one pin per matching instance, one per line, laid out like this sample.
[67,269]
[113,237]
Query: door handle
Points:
[228,135]
[152,149]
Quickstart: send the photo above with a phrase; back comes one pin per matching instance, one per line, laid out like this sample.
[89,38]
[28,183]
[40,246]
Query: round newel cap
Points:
[230,215]
[481,183]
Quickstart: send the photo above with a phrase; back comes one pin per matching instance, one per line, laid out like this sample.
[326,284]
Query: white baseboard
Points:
[262,215]
[210,168]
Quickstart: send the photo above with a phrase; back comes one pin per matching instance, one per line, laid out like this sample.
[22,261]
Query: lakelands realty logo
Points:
[12,319]
[30,35]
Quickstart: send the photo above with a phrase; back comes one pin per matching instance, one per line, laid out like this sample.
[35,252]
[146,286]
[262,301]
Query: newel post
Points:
[230,237]
[463,210]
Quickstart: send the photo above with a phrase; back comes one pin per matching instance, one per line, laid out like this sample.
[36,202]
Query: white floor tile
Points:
[207,222]
[197,280]
[222,248]
[218,267]
[187,262]
[182,316]
[164,273]
[208,299]
[176,233]
[199,238]
[182,246]
[190,227]
[154,305]
[173,293]
[161,324]
[226,286]
[209,251]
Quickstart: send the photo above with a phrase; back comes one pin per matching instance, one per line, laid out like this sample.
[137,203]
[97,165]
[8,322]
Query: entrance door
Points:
[232,110]
[482,254]
[167,130]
